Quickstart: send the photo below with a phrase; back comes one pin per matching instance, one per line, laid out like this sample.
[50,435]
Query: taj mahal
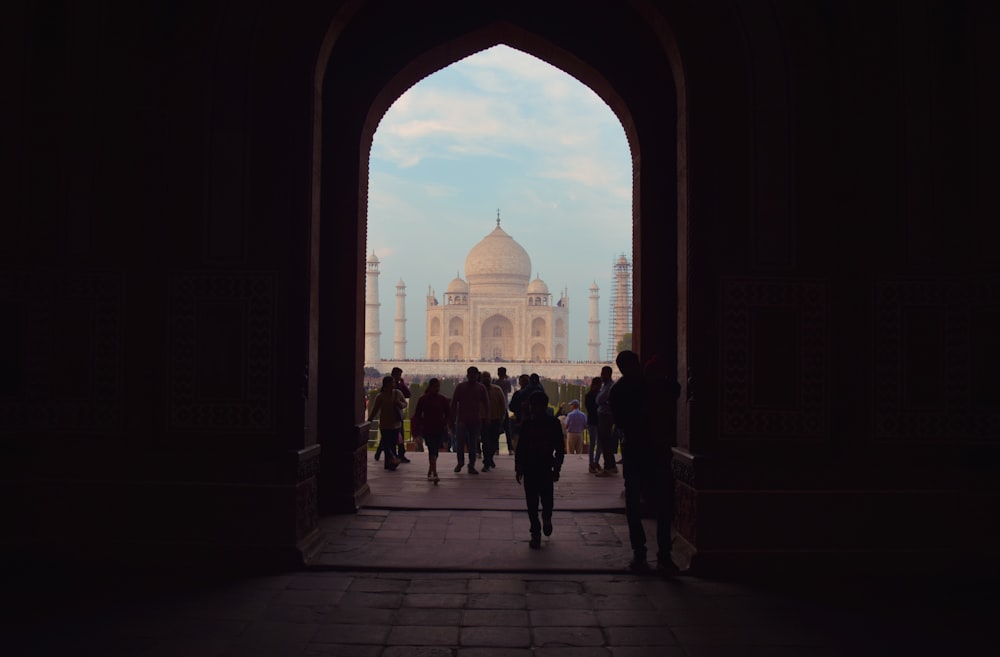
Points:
[496,315]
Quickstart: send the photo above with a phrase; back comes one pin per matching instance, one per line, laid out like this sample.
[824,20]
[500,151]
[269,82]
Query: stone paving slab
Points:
[482,615]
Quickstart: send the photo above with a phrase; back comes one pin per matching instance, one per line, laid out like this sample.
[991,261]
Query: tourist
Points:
[590,402]
[537,463]
[644,410]
[576,422]
[605,424]
[397,376]
[468,407]
[388,404]
[430,421]
[495,414]
[519,409]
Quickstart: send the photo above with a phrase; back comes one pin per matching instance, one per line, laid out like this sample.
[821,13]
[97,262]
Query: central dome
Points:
[498,260]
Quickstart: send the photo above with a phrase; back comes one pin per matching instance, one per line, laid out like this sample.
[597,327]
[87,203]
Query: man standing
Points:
[605,424]
[590,402]
[537,463]
[468,405]
[505,384]
[576,422]
[494,420]
[643,407]
[397,377]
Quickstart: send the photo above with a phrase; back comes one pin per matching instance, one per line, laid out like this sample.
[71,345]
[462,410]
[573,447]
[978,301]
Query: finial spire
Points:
[498,217]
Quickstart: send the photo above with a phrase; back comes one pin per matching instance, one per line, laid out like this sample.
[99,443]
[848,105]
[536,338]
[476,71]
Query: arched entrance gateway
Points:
[395,56]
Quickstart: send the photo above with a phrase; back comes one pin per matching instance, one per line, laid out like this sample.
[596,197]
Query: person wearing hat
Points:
[576,422]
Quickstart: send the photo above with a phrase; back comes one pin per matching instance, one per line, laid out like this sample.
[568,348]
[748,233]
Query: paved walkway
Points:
[445,571]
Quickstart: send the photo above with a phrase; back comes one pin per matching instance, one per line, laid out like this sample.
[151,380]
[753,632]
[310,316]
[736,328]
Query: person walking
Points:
[590,403]
[576,422]
[606,424]
[644,408]
[537,463]
[397,377]
[430,421]
[388,405]
[495,414]
[468,406]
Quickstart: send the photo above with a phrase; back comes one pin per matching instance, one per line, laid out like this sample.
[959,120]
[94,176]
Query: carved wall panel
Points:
[61,351]
[221,355]
[937,361]
[775,359]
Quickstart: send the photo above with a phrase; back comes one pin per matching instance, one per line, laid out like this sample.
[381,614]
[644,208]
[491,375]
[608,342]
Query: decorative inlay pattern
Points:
[54,317]
[807,302]
[254,410]
[953,415]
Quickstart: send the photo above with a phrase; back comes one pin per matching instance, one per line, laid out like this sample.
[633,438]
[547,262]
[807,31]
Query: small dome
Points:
[593,287]
[538,286]
[622,260]
[457,286]
[373,258]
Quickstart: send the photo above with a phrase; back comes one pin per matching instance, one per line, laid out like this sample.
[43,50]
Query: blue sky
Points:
[498,130]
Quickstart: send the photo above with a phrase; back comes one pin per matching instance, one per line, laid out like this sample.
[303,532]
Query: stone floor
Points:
[416,579]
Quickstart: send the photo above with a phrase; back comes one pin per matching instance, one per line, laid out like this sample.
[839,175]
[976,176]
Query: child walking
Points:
[537,462]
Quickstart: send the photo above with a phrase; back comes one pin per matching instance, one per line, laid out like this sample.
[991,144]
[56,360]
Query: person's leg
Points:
[387,436]
[488,433]
[593,449]
[461,431]
[473,440]
[401,444]
[531,495]
[546,493]
[633,499]
[663,479]
[433,443]
[605,428]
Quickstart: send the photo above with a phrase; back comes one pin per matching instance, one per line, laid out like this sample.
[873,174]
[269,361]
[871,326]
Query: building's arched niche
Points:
[456,351]
[456,326]
[435,351]
[435,326]
[560,352]
[560,329]
[497,338]
[537,352]
[538,327]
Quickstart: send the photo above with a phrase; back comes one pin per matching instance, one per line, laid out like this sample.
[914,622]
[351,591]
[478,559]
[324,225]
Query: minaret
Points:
[399,344]
[594,324]
[621,303]
[372,332]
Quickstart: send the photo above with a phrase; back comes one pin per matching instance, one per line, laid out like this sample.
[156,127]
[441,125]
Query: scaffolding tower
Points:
[621,304]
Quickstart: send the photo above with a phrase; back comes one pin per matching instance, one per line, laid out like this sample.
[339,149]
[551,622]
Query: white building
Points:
[497,313]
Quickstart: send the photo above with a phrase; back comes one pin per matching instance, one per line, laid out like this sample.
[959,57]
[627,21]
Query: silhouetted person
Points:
[388,404]
[590,403]
[575,423]
[493,422]
[606,424]
[468,406]
[639,402]
[537,463]
[397,376]
[430,420]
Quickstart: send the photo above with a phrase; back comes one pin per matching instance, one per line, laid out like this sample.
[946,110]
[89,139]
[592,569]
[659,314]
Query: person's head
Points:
[574,405]
[388,383]
[501,372]
[472,374]
[523,380]
[596,382]
[538,402]
[397,373]
[533,378]
[485,378]
[433,386]
[606,373]
[628,363]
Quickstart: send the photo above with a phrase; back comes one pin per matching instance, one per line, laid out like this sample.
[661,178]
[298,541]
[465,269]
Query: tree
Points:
[625,344]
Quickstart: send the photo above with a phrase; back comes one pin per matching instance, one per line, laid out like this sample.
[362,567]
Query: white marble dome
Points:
[538,286]
[498,258]
[457,286]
